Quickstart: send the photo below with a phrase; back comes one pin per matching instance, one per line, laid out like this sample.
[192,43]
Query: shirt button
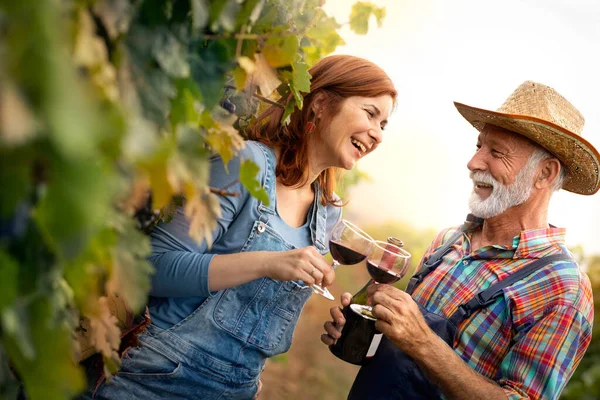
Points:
[465,262]
[261,227]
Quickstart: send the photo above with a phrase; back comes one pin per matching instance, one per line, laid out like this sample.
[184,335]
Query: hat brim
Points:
[580,158]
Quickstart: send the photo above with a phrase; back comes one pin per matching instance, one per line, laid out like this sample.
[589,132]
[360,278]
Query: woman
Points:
[220,309]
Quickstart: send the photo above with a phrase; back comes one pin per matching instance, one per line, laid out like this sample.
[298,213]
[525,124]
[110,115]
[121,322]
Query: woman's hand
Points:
[305,264]
[334,327]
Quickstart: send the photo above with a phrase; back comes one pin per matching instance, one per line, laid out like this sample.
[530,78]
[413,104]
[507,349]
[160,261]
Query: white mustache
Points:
[483,177]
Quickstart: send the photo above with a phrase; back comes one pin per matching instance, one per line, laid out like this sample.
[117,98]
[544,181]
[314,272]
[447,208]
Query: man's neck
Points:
[501,229]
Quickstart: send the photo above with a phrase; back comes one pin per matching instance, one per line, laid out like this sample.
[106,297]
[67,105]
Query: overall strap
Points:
[489,295]
[432,262]
[269,182]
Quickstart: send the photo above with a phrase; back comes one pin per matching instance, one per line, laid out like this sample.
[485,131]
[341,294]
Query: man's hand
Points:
[334,327]
[400,320]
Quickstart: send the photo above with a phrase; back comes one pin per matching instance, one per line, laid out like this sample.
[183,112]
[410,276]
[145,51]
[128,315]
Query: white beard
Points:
[503,196]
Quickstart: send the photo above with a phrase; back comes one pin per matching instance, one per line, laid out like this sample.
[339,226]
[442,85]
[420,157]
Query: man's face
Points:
[501,174]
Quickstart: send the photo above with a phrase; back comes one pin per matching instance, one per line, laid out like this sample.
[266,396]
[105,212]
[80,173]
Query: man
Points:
[524,336]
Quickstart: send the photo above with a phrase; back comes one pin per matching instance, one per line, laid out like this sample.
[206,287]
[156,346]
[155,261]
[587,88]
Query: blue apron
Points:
[391,374]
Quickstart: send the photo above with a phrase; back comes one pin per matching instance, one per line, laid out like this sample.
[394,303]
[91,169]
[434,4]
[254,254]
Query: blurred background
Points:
[417,183]
[110,110]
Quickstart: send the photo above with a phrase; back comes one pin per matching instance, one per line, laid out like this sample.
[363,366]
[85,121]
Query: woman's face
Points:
[355,131]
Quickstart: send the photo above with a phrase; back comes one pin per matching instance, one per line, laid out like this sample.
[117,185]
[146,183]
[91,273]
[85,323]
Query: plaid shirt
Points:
[530,340]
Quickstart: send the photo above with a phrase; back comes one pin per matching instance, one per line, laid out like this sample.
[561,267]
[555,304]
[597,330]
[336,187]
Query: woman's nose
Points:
[376,134]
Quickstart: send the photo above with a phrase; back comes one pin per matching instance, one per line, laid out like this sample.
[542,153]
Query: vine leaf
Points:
[203,209]
[105,335]
[280,51]
[248,172]
[130,271]
[360,14]
[261,74]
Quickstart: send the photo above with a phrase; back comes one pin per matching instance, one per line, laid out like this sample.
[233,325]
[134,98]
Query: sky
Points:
[474,52]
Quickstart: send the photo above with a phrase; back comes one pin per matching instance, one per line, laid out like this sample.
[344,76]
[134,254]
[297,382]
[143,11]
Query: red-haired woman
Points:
[220,309]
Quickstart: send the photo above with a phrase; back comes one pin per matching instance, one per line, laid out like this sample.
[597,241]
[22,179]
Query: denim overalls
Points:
[391,374]
[219,350]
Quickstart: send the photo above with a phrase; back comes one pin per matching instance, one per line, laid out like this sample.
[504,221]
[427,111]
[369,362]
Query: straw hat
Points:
[543,116]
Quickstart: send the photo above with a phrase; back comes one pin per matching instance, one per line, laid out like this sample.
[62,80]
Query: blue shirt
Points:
[180,283]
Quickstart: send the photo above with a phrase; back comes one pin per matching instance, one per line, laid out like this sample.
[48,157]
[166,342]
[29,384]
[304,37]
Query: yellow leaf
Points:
[225,140]
[240,76]
[158,174]
[90,52]
[137,196]
[99,333]
[263,76]
[202,209]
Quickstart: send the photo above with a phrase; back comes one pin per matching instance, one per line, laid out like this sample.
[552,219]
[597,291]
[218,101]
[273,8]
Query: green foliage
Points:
[102,102]
[361,12]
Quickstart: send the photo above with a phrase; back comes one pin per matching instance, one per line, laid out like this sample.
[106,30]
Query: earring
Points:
[310,126]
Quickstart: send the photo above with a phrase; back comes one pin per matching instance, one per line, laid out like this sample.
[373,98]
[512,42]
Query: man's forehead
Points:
[497,135]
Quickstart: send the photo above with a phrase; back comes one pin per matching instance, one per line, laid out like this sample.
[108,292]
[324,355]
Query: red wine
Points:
[345,255]
[359,339]
[381,275]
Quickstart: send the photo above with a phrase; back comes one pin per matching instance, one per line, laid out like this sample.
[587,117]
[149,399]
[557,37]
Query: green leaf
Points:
[200,14]
[85,208]
[170,53]
[323,38]
[9,273]
[280,51]
[249,13]
[51,374]
[223,14]
[301,77]
[154,88]
[210,65]
[15,178]
[361,12]
[184,106]
[130,272]
[248,172]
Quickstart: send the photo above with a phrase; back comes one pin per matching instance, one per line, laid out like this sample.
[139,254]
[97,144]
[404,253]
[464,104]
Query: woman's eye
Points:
[371,114]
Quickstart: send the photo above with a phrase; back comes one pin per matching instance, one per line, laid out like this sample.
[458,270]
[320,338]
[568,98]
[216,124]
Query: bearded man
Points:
[498,309]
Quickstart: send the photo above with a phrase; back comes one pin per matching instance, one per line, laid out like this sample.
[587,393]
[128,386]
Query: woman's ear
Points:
[318,103]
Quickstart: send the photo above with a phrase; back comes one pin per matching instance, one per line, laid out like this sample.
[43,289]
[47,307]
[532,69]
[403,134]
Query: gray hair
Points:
[540,154]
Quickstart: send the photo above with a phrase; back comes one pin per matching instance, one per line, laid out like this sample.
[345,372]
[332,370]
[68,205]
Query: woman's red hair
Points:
[337,77]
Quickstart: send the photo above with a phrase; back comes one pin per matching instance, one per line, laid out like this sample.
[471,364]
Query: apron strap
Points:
[489,295]
[432,262]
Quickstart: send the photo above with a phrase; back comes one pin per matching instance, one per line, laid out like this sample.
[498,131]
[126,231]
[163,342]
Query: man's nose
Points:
[477,162]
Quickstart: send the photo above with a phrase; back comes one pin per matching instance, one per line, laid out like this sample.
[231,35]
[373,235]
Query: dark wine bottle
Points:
[360,339]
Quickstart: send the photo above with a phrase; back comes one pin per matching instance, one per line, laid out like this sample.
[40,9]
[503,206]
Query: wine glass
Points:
[348,245]
[386,263]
